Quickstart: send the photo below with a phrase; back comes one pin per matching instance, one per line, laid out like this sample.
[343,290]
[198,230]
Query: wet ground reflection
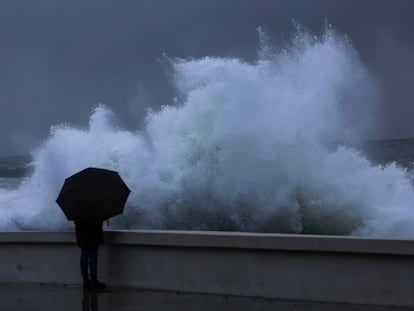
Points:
[13,298]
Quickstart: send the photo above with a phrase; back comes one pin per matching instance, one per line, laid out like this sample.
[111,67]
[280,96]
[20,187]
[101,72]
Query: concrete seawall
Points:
[313,268]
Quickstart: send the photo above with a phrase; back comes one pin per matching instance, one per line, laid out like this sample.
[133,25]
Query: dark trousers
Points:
[89,257]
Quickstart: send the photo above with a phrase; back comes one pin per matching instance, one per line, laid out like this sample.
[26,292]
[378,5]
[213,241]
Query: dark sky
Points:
[58,59]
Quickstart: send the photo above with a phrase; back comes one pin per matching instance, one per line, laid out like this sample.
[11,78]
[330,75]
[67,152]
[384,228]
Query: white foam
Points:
[249,147]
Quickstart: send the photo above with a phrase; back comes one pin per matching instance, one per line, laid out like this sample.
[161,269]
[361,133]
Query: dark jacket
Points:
[89,234]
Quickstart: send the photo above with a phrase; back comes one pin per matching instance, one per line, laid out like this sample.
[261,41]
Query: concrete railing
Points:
[314,268]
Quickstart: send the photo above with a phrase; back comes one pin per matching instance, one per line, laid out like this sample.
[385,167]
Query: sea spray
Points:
[249,146]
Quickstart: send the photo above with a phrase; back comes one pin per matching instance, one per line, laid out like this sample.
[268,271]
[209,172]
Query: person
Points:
[89,235]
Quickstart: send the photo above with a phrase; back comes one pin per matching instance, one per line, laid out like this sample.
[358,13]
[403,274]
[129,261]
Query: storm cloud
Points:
[59,59]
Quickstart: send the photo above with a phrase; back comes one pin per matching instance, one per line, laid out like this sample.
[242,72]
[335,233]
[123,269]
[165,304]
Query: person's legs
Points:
[84,265]
[93,268]
[93,262]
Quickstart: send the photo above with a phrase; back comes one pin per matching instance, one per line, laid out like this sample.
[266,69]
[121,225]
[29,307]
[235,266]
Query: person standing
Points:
[89,236]
[88,198]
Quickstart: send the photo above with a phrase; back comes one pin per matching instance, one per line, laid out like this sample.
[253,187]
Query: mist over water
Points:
[259,146]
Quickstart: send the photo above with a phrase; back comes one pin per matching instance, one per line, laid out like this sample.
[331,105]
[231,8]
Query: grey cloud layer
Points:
[60,58]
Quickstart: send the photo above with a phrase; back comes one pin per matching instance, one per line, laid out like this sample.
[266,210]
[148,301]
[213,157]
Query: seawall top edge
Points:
[230,240]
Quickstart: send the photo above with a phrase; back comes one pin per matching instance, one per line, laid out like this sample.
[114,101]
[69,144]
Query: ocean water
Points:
[13,170]
[275,145]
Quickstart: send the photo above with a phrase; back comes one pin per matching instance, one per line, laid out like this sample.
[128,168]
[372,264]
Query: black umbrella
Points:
[93,194]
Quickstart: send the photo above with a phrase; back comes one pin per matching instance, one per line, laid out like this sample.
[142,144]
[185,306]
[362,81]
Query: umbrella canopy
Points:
[93,194]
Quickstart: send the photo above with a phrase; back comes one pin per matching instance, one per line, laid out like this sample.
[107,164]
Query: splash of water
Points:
[250,146]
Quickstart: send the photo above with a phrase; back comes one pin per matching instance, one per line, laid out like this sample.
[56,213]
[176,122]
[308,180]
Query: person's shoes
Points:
[86,281]
[86,284]
[96,284]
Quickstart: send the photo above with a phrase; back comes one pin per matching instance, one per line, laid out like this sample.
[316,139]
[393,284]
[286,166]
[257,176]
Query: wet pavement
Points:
[23,298]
